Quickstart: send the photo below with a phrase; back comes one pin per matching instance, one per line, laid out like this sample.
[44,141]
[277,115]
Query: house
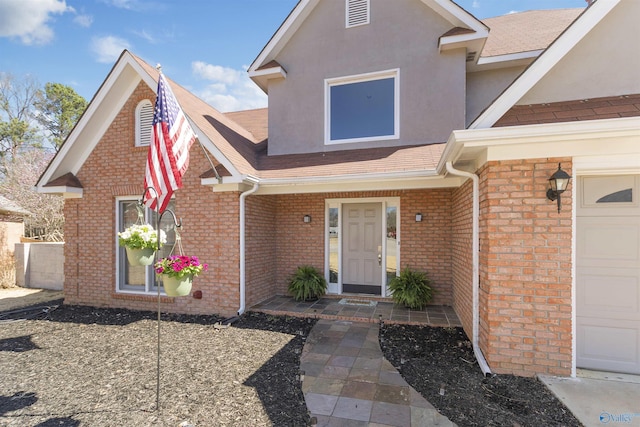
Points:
[405,133]
[11,225]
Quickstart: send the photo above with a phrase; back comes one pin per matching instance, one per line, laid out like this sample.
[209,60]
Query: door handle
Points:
[379,259]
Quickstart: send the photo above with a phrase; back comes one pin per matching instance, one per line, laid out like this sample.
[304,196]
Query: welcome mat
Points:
[357,302]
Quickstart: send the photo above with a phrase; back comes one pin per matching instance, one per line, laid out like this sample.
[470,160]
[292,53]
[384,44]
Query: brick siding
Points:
[568,111]
[525,269]
[425,245]
[462,256]
[210,225]
[277,238]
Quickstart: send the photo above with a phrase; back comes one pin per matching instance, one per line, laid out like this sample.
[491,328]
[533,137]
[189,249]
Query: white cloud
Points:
[476,4]
[107,49]
[83,20]
[229,89]
[143,34]
[134,5]
[216,73]
[27,19]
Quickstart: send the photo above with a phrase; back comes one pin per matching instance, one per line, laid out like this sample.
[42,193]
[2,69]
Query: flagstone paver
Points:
[348,382]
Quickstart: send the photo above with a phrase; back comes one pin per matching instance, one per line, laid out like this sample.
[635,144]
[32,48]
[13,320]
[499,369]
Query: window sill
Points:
[143,297]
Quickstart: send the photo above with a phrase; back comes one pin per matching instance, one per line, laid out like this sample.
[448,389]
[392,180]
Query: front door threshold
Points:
[362,290]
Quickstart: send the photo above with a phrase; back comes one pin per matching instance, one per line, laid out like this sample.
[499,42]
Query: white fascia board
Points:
[95,121]
[270,73]
[66,192]
[262,77]
[284,33]
[363,182]
[545,62]
[489,60]
[458,16]
[614,136]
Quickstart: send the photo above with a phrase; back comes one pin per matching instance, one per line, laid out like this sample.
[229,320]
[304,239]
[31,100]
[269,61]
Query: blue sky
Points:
[205,45]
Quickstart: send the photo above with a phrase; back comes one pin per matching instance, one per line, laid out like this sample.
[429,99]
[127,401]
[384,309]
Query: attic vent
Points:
[357,12]
[471,56]
[144,119]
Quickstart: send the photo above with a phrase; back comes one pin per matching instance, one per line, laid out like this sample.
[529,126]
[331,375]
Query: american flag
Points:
[168,158]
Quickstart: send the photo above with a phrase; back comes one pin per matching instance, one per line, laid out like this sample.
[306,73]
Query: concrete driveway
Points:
[599,398]
[13,298]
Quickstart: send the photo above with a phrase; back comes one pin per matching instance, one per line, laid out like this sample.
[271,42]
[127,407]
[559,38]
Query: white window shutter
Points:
[358,12]
[144,119]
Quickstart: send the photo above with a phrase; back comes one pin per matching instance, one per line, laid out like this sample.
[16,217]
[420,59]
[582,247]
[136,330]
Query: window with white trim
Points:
[357,12]
[138,279]
[144,119]
[362,108]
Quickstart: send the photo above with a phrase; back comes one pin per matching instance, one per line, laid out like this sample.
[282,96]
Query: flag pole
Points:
[177,223]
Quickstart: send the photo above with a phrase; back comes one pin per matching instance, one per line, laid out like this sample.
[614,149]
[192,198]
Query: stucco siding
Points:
[604,63]
[483,87]
[403,35]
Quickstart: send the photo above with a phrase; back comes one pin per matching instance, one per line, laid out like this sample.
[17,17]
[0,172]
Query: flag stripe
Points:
[168,157]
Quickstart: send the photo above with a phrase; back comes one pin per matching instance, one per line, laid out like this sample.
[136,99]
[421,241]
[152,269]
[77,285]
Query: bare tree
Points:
[47,219]
[18,130]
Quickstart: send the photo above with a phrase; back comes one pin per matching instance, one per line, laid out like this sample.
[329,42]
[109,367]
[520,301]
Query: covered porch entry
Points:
[362,245]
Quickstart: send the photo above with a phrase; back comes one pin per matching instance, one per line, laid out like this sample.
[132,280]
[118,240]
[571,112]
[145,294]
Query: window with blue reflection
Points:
[363,109]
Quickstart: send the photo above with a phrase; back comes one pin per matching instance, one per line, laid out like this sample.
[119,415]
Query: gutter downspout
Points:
[243,197]
[482,362]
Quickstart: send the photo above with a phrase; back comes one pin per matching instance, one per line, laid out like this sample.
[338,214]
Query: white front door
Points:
[608,274]
[362,248]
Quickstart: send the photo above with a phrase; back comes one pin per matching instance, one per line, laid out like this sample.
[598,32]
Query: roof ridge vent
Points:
[358,12]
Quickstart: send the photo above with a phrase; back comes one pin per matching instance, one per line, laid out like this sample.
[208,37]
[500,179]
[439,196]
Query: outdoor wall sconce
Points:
[418,217]
[557,184]
[307,218]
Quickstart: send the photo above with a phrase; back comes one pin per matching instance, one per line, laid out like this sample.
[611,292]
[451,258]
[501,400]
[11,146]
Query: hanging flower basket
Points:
[141,242]
[140,256]
[177,272]
[177,287]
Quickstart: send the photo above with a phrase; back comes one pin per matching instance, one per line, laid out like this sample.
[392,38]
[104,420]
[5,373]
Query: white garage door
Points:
[608,273]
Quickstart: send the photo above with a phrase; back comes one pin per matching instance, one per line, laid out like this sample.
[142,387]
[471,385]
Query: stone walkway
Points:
[348,382]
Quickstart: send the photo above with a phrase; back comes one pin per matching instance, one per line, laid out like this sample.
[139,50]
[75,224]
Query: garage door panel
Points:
[616,294]
[608,274]
[609,244]
[614,347]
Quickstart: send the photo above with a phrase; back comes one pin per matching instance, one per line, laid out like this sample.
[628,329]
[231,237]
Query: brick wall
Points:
[425,245]
[461,254]
[261,248]
[278,239]
[211,230]
[568,111]
[525,274]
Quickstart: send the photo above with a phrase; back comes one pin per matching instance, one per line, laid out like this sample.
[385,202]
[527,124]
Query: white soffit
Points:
[619,136]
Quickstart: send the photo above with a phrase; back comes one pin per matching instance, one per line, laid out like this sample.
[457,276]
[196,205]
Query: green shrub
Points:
[307,283]
[411,289]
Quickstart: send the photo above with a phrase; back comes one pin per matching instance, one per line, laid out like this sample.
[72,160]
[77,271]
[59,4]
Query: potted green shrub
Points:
[411,289]
[307,284]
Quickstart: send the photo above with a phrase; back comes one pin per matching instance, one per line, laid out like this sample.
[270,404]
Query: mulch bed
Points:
[97,367]
[439,363]
[77,366]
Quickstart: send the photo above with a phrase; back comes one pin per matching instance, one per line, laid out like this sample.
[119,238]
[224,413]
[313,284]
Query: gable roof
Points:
[529,31]
[566,41]
[230,143]
[467,30]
